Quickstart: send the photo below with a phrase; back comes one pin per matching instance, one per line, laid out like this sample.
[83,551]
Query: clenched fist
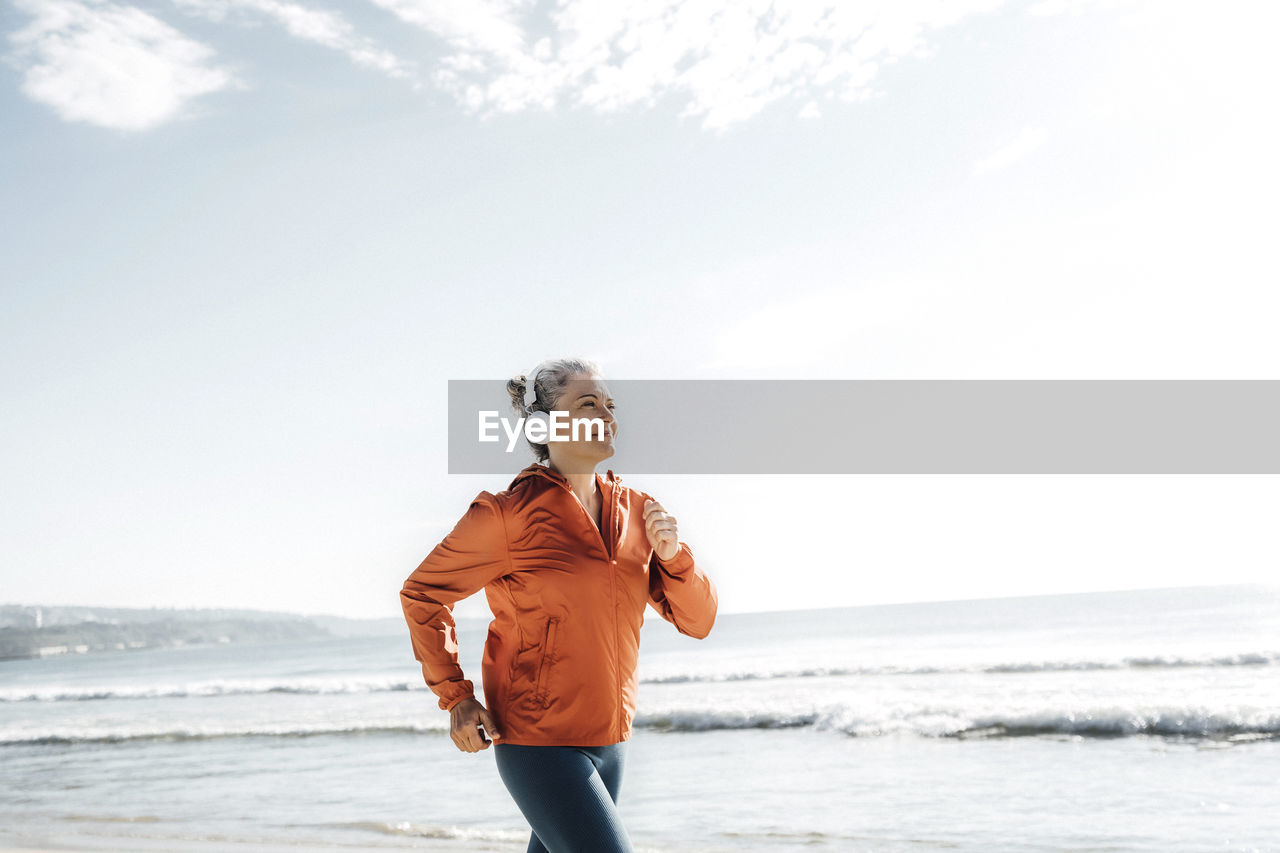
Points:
[661,530]
[465,720]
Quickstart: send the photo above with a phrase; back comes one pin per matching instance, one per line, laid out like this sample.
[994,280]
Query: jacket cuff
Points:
[678,564]
[456,692]
[448,706]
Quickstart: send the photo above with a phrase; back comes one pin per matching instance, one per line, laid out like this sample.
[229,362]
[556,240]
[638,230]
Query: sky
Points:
[244,245]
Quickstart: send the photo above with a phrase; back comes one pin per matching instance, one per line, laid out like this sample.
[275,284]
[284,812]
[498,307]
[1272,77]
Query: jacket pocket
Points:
[544,663]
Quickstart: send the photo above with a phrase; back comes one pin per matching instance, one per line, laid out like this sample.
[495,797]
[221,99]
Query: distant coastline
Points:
[37,631]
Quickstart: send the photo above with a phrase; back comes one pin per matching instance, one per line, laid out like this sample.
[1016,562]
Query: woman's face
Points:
[584,398]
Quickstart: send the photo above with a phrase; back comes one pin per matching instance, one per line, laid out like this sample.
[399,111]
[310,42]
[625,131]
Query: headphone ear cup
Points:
[545,429]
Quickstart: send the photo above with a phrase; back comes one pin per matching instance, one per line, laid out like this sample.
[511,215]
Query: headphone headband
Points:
[530,386]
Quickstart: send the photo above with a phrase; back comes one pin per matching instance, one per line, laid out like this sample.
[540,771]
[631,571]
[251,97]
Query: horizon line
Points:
[1247,584]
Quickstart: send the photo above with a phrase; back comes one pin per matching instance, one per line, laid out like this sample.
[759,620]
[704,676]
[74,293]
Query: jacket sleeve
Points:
[473,554]
[683,593]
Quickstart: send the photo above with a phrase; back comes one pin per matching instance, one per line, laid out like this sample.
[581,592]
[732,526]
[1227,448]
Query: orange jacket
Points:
[559,663]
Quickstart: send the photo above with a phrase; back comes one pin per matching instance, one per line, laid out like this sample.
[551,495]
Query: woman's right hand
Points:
[465,718]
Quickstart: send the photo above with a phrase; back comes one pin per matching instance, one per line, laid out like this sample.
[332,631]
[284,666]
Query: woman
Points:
[568,560]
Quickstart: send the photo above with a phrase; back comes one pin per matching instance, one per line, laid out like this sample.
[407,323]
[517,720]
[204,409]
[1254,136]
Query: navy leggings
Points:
[569,795]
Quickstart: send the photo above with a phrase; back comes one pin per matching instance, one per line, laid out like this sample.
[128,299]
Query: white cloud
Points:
[325,28]
[719,61]
[1028,140]
[727,60]
[1048,8]
[111,65]
[485,26]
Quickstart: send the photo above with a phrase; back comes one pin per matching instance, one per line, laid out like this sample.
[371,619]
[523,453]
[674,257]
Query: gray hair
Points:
[550,386]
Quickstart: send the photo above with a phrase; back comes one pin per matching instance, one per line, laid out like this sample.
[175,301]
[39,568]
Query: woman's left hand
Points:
[661,529]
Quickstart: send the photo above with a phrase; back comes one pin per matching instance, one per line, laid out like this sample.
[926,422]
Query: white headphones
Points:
[530,396]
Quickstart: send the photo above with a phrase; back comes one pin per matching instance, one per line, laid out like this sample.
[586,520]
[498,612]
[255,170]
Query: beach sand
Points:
[119,844]
[158,845]
[101,844]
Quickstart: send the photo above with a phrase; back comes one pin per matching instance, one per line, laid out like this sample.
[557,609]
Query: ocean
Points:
[1116,721]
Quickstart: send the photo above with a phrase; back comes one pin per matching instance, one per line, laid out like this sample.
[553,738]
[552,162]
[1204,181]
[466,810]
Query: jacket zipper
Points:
[613,576]
[599,533]
[548,645]
[613,585]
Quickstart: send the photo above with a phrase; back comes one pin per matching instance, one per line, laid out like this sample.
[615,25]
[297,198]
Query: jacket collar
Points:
[537,469]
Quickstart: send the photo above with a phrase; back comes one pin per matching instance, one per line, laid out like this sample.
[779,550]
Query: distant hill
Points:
[34,630]
[28,631]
